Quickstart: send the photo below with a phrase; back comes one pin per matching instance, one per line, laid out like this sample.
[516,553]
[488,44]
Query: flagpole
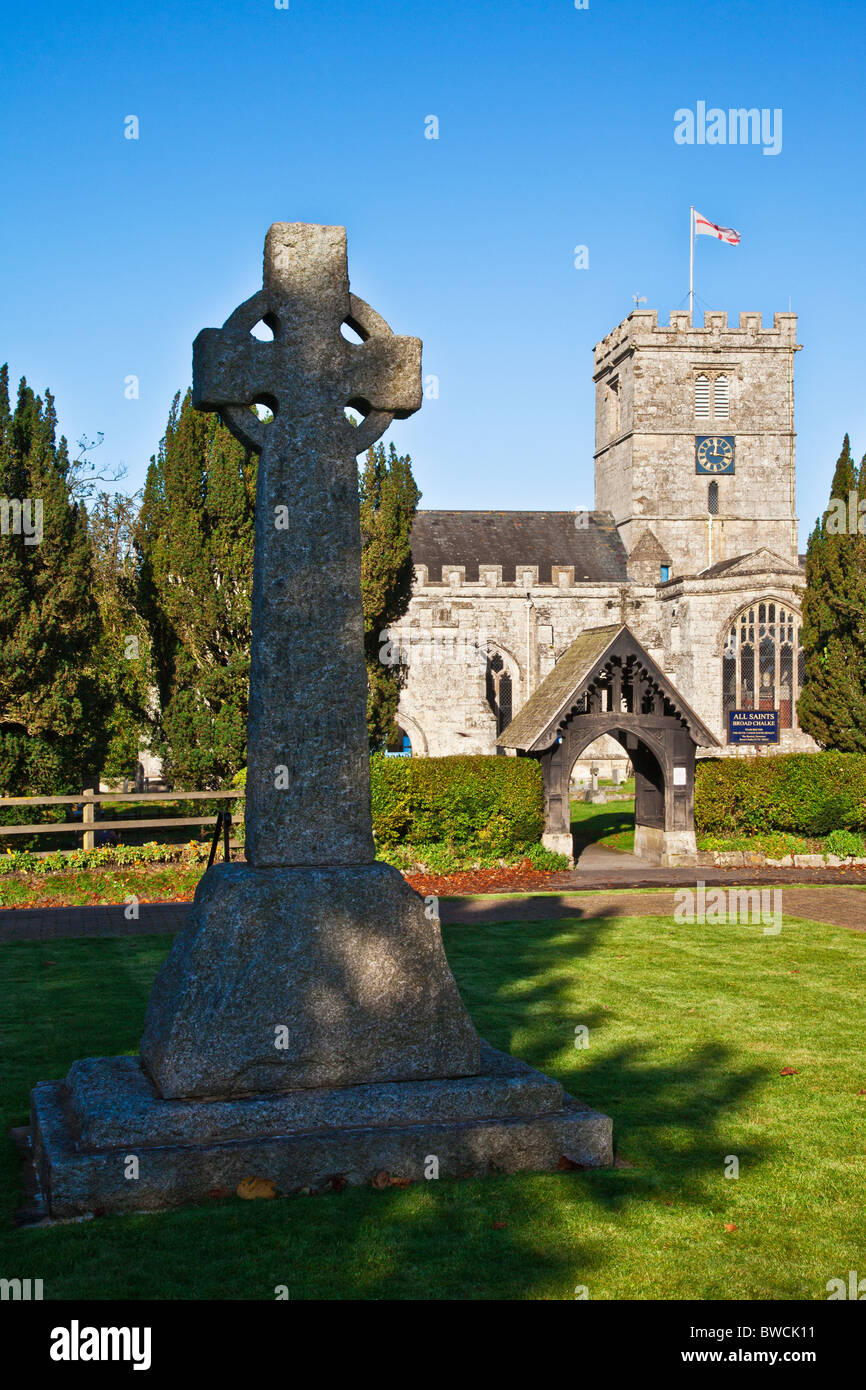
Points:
[691,265]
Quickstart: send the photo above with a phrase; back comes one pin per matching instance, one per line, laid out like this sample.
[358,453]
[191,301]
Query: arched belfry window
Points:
[763,662]
[499,691]
[712,396]
[713,499]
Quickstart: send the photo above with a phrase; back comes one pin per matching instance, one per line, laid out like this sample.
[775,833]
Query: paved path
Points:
[48,923]
[839,904]
[599,859]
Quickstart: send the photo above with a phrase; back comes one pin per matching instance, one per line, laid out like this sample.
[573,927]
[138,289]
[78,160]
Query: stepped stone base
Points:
[507,1119]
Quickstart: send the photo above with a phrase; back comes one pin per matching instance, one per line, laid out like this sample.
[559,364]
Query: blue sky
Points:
[555,129]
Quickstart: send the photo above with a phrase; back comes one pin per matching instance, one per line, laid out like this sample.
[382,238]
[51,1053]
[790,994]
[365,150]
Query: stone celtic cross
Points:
[305,1025]
[308,798]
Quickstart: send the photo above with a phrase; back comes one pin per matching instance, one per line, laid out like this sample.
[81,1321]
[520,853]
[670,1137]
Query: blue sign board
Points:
[753,726]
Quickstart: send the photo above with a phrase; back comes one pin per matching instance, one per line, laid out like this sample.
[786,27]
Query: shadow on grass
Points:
[599,822]
[671,1104]
[528,1236]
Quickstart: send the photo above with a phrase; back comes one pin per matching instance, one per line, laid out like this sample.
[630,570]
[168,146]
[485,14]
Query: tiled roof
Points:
[531,727]
[510,539]
[558,686]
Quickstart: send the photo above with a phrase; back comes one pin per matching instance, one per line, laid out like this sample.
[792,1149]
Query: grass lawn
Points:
[689,1030]
[611,825]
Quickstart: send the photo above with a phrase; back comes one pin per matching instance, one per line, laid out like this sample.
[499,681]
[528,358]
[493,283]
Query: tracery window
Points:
[763,662]
[499,691]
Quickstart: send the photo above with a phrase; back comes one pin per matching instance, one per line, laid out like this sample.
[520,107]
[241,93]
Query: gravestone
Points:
[596,794]
[306,1025]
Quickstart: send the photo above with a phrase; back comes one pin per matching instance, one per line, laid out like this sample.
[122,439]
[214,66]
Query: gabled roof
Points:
[587,540]
[650,549]
[534,728]
[761,561]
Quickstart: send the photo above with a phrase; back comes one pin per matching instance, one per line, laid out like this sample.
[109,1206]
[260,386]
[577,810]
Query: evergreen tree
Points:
[122,654]
[389,499]
[195,558]
[52,710]
[832,705]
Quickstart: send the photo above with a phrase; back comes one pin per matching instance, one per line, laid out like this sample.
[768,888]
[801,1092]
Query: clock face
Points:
[714,453]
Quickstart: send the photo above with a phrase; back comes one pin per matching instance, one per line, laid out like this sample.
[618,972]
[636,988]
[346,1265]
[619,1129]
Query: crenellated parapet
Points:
[642,329]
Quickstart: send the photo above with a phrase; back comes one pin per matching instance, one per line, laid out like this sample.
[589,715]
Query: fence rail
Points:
[90,799]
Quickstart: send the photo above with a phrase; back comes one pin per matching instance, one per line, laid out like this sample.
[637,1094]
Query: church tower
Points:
[694,439]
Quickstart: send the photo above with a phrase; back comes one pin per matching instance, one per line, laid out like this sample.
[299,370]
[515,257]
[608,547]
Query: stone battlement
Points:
[490,577]
[642,329]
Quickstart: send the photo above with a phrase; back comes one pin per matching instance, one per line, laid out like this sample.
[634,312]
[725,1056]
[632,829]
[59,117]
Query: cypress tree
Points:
[389,499]
[122,654]
[194,543]
[52,710]
[195,560]
[832,704]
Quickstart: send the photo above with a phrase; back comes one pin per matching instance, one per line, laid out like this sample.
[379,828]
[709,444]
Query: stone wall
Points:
[451,628]
[645,443]
[645,475]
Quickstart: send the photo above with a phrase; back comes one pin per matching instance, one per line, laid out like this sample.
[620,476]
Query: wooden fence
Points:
[90,799]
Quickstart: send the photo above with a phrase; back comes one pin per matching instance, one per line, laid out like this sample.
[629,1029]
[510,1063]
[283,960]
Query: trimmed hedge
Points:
[804,793]
[496,804]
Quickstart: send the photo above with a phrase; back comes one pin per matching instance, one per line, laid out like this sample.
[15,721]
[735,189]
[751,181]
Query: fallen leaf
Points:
[382,1179]
[730,1226]
[567,1165]
[399,1182]
[499,1226]
[789,1071]
[253,1189]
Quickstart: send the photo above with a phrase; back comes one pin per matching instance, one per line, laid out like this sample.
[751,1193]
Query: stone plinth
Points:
[286,978]
[507,1119]
[667,848]
[560,842]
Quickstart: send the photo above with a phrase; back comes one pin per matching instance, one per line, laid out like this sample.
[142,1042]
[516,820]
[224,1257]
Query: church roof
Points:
[510,539]
[534,726]
[760,561]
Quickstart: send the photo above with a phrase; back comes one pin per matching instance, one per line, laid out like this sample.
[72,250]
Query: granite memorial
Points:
[305,1026]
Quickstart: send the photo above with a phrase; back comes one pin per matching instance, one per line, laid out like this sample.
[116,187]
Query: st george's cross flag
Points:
[705,228]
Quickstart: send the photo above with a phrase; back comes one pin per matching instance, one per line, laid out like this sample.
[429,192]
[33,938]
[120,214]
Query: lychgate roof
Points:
[535,727]
[512,539]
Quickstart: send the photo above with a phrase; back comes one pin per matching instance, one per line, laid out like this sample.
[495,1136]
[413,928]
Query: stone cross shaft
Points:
[308,785]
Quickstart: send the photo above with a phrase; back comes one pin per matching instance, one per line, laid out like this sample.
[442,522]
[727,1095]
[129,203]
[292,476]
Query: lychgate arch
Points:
[607,683]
